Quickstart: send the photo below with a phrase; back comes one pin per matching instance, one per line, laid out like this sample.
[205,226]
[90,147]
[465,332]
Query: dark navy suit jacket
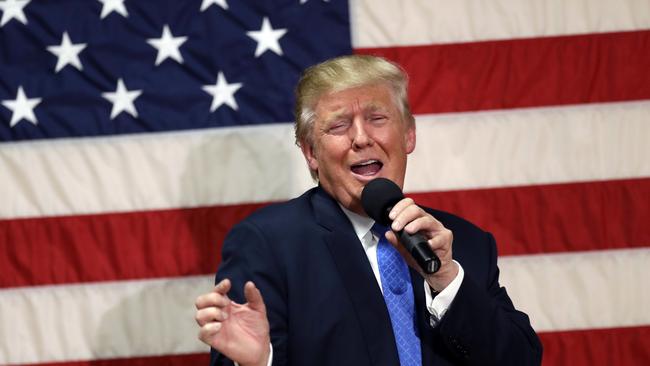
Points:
[325,307]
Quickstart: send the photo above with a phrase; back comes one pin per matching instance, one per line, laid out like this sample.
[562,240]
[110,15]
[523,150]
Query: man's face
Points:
[359,134]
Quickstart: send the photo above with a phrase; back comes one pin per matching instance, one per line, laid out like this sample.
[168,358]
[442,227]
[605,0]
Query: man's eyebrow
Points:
[339,113]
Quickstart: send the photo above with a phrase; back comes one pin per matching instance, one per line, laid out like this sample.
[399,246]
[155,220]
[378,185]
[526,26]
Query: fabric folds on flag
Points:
[134,134]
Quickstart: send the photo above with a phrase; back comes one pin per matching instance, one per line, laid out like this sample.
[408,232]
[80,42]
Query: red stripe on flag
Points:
[555,218]
[120,246]
[593,347]
[520,73]
[135,245]
[167,360]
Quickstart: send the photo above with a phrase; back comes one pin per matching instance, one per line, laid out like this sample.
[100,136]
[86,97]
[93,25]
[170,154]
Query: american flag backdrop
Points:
[135,133]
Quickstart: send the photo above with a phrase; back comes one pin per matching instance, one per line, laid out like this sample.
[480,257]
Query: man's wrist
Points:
[438,304]
[266,360]
[440,280]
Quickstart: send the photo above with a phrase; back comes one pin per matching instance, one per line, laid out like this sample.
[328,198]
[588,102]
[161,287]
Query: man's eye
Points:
[338,127]
[377,118]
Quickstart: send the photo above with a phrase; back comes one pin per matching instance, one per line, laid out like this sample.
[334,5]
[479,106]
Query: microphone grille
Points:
[378,197]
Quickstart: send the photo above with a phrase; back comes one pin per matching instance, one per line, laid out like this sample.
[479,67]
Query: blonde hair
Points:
[343,73]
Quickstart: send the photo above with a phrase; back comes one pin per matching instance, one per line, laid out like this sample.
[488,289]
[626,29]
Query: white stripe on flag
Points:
[530,146]
[155,317]
[405,23]
[599,289]
[100,320]
[261,164]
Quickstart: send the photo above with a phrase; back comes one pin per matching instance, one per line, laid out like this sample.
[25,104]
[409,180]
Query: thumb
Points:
[254,297]
[392,238]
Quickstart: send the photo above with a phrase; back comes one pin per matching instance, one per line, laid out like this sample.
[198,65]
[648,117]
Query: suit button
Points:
[464,352]
[458,347]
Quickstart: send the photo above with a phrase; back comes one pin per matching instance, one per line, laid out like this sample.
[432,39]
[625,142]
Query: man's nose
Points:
[360,137]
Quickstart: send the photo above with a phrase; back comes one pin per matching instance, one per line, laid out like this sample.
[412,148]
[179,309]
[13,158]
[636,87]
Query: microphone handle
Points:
[418,246]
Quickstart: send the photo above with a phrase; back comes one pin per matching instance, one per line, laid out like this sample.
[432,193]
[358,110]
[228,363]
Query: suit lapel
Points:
[358,279]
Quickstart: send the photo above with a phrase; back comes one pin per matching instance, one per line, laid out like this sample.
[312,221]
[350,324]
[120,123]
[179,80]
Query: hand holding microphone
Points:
[378,199]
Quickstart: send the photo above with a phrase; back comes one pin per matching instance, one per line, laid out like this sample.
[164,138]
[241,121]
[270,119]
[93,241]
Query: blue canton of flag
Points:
[72,68]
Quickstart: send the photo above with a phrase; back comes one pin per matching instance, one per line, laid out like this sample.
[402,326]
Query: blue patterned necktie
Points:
[398,294]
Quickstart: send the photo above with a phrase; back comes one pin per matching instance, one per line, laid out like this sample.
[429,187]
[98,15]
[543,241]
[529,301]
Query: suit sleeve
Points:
[247,256]
[482,326]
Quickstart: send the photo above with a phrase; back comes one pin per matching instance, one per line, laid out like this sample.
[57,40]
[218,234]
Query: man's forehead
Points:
[365,98]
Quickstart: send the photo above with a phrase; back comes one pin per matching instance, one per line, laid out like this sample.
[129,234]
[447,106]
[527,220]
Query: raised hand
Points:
[238,331]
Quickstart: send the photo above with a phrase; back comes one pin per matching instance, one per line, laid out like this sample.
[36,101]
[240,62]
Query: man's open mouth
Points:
[369,167]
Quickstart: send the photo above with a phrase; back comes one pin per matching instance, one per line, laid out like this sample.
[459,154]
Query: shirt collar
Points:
[361,224]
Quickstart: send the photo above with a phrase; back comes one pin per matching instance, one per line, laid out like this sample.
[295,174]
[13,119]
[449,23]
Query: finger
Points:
[426,224]
[211,299]
[254,297]
[392,238]
[394,241]
[399,207]
[442,241]
[413,219]
[406,215]
[210,314]
[223,287]
[208,331]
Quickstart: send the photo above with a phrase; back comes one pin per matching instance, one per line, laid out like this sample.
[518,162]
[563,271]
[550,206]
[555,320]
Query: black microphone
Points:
[378,198]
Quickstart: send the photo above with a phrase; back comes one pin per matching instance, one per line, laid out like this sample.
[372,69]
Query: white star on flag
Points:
[267,38]
[21,107]
[122,100]
[167,46]
[67,52]
[304,1]
[113,6]
[222,93]
[206,4]
[13,9]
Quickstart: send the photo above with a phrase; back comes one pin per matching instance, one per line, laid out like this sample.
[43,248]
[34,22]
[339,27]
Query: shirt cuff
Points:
[438,306]
[270,356]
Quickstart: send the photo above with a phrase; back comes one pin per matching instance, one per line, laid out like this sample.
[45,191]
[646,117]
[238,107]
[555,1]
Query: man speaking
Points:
[316,281]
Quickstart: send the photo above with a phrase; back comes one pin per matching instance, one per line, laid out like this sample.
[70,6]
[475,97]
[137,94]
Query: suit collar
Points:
[327,212]
[361,224]
[359,281]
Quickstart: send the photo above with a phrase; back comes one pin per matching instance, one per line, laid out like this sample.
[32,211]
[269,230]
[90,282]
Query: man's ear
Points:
[410,138]
[310,155]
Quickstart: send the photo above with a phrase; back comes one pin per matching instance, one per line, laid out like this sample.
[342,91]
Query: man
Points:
[303,282]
